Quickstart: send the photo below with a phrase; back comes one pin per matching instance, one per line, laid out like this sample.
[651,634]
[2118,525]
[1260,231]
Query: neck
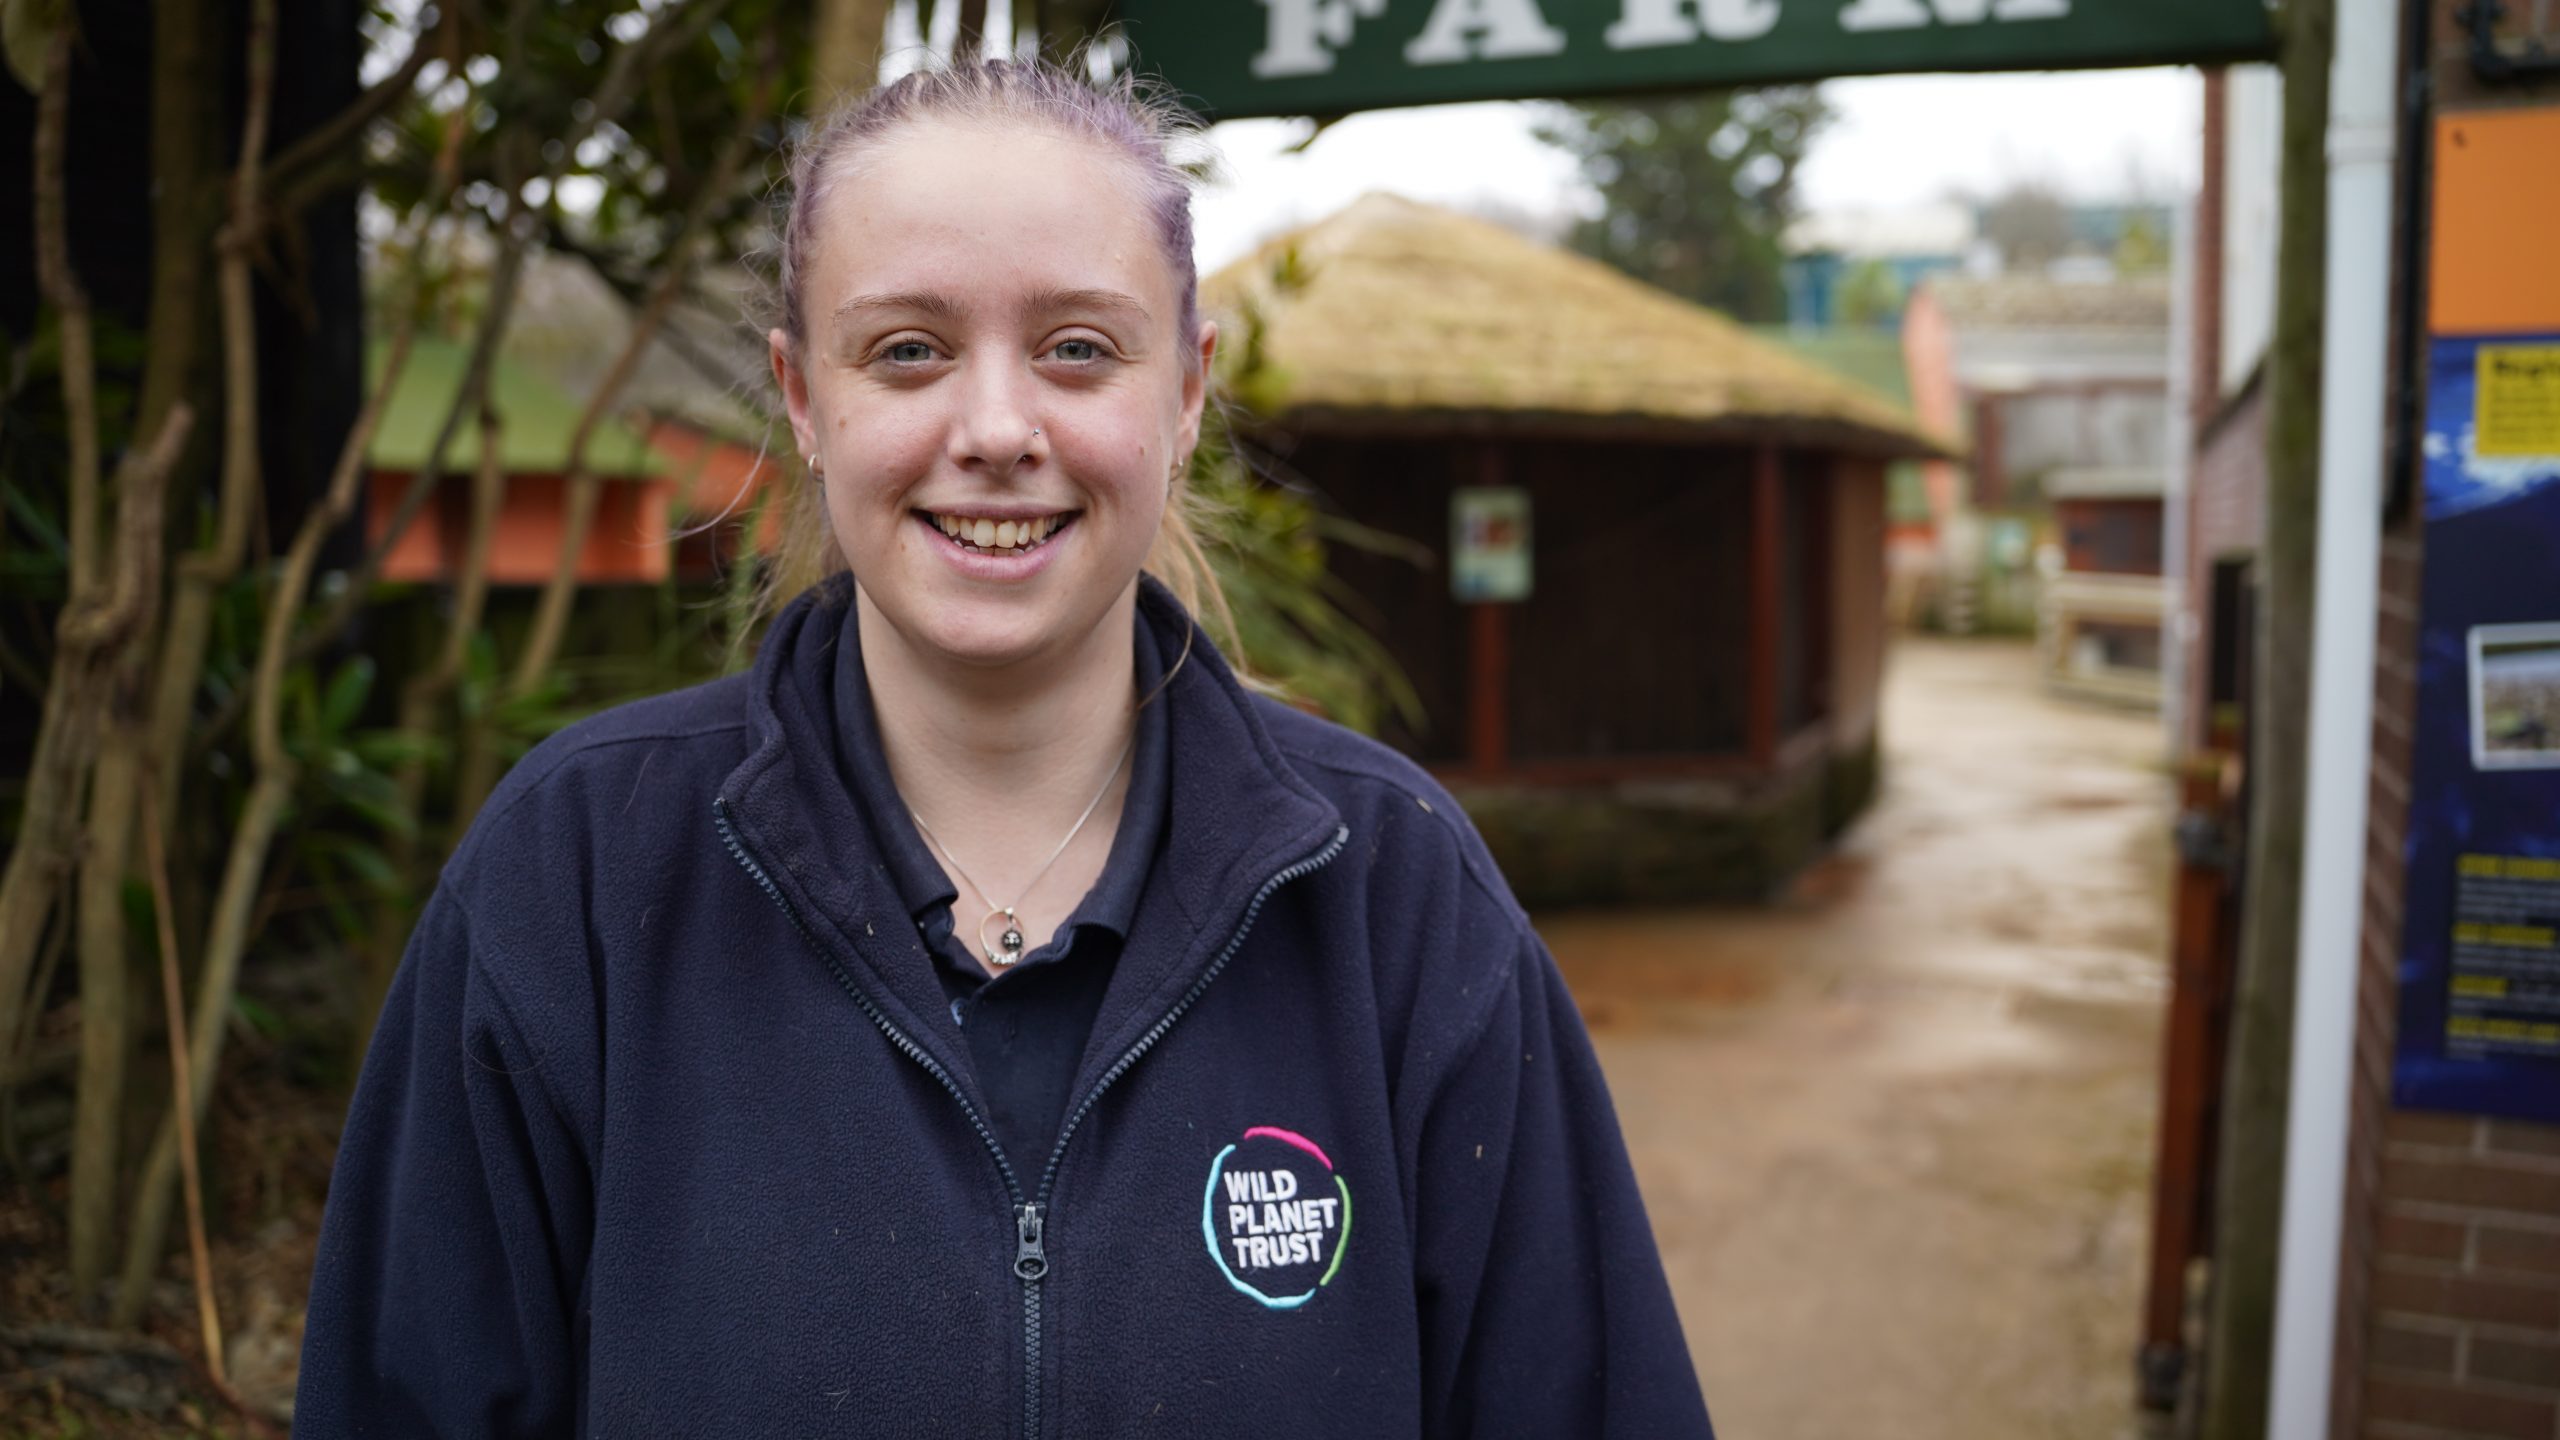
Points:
[1001,762]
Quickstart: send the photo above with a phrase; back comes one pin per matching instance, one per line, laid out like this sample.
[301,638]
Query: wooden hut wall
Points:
[1402,489]
[1805,591]
[1633,643]
[1857,595]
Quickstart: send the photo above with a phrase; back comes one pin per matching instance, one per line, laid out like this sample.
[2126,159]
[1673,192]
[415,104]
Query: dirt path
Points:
[1895,1134]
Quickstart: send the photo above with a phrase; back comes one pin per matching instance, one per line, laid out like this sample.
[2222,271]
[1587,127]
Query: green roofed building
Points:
[536,423]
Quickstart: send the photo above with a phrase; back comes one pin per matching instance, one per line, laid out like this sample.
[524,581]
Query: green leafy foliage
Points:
[1293,626]
[1293,619]
[1696,190]
[375,807]
[1870,296]
[348,803]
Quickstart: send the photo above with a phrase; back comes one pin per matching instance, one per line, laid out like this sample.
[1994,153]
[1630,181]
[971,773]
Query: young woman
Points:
[984,1018]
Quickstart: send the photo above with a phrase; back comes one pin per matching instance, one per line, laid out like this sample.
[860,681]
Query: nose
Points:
[995,432]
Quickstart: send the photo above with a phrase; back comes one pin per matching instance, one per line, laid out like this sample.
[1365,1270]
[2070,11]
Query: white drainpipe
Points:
[2362,116]
[2177,621]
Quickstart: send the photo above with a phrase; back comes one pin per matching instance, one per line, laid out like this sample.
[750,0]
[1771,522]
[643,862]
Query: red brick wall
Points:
[2449,1295]
[2226,515]
[2462,1324]
[2449,1277]
[2359,1347]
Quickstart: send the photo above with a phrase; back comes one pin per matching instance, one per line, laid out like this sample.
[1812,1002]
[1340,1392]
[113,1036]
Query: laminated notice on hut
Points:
[1489,544]
[2517,412]
[2506,957]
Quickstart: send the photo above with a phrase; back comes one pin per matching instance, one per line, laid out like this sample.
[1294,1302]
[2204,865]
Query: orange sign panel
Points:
[2497,219]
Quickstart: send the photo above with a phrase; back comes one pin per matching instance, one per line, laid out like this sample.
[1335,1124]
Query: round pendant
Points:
[1008,946]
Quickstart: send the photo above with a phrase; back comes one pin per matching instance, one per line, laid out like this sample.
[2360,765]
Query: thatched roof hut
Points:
[1396,314]
[1650,651]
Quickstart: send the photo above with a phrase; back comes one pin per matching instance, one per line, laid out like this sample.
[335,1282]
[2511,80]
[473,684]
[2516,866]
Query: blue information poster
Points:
[2480,954]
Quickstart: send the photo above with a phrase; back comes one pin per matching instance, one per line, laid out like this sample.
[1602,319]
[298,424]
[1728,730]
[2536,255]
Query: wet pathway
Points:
[1895,1133]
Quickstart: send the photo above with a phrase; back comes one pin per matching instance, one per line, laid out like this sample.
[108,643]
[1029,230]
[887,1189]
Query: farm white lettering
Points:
[1483,30]
[1303,34]
[1301,37]
[1647,23]
[1912,14]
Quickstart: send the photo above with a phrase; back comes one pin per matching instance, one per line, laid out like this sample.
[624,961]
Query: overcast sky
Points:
[1898,140]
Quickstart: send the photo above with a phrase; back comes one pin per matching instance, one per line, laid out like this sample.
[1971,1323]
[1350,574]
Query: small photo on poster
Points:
[2515,697]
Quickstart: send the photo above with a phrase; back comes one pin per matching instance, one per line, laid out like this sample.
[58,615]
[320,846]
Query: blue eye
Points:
[910,352]
[1087,351]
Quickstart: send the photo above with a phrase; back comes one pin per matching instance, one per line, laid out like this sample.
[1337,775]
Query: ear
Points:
[795,392]
[1195,387]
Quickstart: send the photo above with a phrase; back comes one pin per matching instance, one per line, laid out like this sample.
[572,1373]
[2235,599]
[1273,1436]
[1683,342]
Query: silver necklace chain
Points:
[1008,947]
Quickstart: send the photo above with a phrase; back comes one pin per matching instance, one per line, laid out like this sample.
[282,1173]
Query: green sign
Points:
[1317,57]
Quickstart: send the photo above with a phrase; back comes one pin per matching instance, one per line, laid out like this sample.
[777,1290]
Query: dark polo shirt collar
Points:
[917,875]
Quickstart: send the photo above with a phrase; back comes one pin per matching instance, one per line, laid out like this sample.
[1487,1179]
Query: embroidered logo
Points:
[1276,1216]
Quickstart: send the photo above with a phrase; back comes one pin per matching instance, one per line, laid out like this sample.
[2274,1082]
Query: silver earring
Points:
[817,467]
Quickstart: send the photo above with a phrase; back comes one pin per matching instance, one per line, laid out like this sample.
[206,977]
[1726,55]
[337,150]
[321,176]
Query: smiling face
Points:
[992,384]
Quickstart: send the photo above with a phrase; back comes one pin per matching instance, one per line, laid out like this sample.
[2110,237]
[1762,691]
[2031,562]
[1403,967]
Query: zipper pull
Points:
[1029,1260]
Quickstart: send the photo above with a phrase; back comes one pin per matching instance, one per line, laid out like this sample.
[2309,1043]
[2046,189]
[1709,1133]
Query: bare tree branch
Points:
[182,1091]
[85,652]
[551,616]
[424,696]
[277,772]
[62,289]
[675,26]
[344,127]
[203,573]
[633,294]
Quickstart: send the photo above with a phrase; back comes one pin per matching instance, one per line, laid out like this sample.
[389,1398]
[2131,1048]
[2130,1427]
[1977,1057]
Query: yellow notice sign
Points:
[2518,410]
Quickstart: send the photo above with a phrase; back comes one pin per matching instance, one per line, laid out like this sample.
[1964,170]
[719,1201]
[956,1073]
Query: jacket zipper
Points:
[1030,1255]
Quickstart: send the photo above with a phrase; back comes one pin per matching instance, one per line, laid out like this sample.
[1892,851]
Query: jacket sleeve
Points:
[445,1295]
[1544,1307]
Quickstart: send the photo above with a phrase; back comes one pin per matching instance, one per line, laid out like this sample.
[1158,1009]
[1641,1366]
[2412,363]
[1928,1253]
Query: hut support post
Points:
[1488,728]
[1760,716]
[1489,661]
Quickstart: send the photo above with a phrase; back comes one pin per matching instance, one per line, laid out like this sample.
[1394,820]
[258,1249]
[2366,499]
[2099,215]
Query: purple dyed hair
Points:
[1142,129]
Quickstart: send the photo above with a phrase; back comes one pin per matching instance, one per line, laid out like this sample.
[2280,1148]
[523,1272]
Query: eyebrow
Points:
[926,301]
[942,307]
[1057,299]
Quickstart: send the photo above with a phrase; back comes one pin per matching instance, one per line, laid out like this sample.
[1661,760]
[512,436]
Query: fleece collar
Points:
[919,876]
[1238,814]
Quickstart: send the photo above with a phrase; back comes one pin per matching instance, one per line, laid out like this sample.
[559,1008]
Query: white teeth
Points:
[994,535]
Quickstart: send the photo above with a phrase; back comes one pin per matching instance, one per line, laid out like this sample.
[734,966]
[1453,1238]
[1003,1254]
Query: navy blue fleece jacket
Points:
[668,1129]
